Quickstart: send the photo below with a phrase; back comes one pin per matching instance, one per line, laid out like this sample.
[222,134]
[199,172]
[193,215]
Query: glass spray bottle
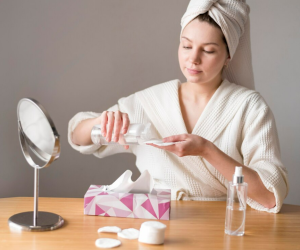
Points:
[236,204]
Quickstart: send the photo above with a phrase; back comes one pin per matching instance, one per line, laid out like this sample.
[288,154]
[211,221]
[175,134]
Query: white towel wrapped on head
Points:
[233,18]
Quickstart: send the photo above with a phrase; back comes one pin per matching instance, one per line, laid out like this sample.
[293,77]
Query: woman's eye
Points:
[208,52]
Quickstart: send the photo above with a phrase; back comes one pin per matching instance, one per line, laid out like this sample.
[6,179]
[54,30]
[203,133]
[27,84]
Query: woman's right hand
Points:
[116,122]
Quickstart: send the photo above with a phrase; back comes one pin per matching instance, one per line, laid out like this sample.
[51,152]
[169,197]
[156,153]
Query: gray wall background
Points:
[76,56]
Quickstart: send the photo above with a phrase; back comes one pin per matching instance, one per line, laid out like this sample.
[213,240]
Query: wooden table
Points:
[193,225]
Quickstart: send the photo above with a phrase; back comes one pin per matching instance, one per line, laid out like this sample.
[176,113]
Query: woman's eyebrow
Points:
[203,43]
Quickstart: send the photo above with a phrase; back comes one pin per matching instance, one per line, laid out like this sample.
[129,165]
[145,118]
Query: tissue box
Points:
[156,205]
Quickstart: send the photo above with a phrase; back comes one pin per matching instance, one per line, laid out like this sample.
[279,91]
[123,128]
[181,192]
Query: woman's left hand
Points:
[187,144]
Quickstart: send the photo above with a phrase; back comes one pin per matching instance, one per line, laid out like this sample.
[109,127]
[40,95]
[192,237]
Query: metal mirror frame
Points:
[36,220]
[25,140]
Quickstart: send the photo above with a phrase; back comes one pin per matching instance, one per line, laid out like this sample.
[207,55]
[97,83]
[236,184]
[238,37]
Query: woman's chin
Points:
[195,79]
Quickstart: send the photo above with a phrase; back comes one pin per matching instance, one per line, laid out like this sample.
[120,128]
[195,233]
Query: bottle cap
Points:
[238,176]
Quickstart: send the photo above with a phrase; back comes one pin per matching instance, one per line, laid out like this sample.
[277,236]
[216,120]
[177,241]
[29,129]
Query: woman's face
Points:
[202,52]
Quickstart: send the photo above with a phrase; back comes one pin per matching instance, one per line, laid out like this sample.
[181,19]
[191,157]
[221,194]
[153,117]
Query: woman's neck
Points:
[200,91]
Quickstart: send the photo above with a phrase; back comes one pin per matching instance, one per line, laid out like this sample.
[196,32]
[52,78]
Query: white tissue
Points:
[130,233]
[107,243]
[108,229]
[144,184]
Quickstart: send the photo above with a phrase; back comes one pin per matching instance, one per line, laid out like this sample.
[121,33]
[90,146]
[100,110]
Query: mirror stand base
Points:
[45,222]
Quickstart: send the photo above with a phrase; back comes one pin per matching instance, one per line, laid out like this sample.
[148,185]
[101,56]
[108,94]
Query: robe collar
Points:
[161,104]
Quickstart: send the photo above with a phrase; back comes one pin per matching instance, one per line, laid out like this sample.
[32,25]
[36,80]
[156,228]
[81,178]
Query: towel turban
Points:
[233,18]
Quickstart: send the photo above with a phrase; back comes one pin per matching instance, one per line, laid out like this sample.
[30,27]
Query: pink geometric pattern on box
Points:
[155,205]
[111,212]
[103,193]
[139,199]
[154,202]
[106,199]
[163,207]
[128,201]
[148,206]
[88,207]
[130,216]
[121,213]
[166,215]
[164,193]
[103,207]
[148,215]
[98,210]
[161,199]
[87,200]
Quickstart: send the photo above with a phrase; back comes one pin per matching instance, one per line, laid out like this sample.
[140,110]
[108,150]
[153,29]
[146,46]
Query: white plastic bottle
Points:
[236,204]
[137,134]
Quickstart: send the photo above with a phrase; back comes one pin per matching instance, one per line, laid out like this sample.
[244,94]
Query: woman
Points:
[220,124]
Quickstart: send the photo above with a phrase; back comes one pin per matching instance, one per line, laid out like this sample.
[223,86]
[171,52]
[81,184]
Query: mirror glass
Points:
[36,128]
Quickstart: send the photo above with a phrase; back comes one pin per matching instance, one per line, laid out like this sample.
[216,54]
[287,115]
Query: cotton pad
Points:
[107,243]
[152,232]
[160,142]
[165,143]
[130,233]
[109,229]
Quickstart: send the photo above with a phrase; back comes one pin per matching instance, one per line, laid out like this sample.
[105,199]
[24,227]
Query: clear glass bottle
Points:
[137,134]
[236,204]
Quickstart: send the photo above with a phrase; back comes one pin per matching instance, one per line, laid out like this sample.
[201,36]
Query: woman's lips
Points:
[193,72]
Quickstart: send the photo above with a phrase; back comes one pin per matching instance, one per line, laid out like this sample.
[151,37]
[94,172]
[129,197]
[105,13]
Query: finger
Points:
[175,138]
[180,150]
[175,149]
[103,123]
[110,126]
[117,125]
[122,140]
[126,123]
[126,146]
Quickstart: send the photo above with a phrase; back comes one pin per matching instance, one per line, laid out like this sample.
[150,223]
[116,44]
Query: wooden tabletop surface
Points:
[193,225]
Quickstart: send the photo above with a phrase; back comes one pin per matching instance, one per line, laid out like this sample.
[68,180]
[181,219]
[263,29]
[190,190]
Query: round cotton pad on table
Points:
[109,229]
[107,243]
[130,233]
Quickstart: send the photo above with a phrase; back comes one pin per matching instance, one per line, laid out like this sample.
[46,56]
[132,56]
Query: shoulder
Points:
[253,107]
[158,88]
[162,87]
[250,98]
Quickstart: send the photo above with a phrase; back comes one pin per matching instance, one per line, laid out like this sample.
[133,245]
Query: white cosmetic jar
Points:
[152,232]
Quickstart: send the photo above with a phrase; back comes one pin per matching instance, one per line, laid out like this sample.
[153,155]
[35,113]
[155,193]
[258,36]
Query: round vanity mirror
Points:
[38,137]
[37,131]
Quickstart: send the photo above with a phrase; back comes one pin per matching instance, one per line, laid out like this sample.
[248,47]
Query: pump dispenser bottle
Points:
[236,204]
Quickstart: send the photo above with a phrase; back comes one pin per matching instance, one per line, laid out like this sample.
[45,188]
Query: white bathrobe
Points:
[237,120]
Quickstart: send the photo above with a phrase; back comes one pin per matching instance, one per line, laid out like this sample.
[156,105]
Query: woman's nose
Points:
[195,57]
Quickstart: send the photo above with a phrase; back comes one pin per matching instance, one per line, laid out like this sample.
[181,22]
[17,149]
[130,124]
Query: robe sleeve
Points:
[126,105]
[261,152]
